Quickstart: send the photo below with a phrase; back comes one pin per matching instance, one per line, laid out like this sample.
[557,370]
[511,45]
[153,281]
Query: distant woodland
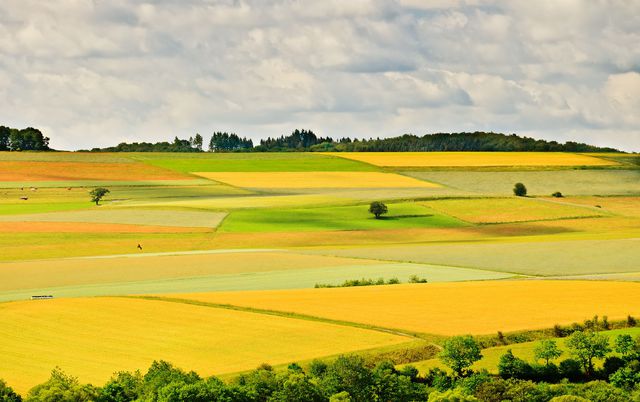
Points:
[32,139]
[308,141]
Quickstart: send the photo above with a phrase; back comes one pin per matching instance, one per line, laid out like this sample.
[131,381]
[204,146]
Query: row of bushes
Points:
[348,378]
[370,282]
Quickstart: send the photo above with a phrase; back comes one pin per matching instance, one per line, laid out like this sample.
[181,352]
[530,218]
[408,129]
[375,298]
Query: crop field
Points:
[262,162]
[451,308]
[501,210]
[26,171]
[154,217]
[491,356]
[472,159]
[546,182]
[257,231]
[294,180]
[92,338]
[404,215]
[98,280]
[545,258]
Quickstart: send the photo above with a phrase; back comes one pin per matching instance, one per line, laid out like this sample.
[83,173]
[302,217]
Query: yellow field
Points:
[81,271]
[472,159]
[499,210]
[94,337]
[293,180]
[452,308]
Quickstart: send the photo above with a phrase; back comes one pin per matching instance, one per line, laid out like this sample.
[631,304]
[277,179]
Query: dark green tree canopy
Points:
[97,194]
[378,209]
[519,190]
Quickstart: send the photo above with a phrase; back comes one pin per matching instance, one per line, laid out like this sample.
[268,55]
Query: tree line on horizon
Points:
[302,140]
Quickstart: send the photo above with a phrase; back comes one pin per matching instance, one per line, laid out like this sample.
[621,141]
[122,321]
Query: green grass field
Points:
[252,162]
[404,215]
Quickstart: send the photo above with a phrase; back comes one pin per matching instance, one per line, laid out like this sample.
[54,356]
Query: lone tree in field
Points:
[378,208]
[97,194]
[459,353]
[520,190]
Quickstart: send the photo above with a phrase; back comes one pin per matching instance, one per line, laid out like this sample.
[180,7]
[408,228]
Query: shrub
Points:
[511,366]
[7,394]
[571,370]
[519,190]
[557,194]
[451,396]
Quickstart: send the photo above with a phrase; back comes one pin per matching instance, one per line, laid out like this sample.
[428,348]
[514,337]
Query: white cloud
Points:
[94,73]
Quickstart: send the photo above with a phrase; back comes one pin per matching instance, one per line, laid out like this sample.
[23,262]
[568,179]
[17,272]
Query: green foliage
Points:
[587,346]
[98,193]
[417,279]
[378,209]
[28,139]
[454,395]
[178,145]
[7,394]
[359,282]
[514,367]
[627,346]
[459,353]
[557,194]
[547,350]
[228,142]
[519,190]
[62,388]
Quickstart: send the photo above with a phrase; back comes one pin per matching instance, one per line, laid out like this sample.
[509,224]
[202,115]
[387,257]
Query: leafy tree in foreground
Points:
[7,394]
[519,190]
[62,387]
[97,194]
[459,353]
[547,350]
[378,208]
[587,346]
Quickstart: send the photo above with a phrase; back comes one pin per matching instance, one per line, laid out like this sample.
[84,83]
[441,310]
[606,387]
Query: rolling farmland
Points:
[231,244]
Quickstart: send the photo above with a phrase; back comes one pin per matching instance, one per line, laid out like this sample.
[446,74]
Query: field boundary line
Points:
[288,314]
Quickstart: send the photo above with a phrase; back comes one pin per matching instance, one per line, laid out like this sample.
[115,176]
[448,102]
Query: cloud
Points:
[94,73]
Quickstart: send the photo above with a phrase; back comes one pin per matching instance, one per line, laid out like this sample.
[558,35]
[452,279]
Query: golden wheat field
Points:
[472,159]
[295,180]
[452,308]
[94,337]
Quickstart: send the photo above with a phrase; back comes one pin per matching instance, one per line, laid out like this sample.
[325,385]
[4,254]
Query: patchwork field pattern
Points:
[94,337]
[295,180]
[501,210]
[452,308]
[472,159]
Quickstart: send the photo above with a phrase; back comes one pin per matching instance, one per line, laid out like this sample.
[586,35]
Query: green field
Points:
[405,215]
[261,162]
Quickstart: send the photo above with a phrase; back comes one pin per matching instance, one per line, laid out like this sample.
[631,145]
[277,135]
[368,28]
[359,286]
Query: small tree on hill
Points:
[547,350]
[586,346]
[459,353]
[520,190]
[378,208]
[97,194]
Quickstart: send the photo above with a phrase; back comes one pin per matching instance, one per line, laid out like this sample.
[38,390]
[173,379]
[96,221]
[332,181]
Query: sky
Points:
[97,73]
